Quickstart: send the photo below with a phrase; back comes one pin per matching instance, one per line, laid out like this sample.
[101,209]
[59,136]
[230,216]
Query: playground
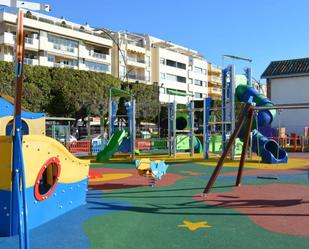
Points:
[122,211]
[237,188]
[210,176]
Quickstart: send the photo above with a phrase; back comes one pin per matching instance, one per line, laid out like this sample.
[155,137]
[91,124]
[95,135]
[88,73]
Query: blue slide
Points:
[268,149]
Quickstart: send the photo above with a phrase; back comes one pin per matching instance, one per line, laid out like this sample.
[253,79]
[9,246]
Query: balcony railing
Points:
[98,55]
[215,79]
[29,40]
[57,64]
[133,76]
[138,44]
[136,59]
[28,61]
[214,90]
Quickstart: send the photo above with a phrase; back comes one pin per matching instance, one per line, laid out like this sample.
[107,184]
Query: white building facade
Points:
[288,83]
[180,73]
[55,42]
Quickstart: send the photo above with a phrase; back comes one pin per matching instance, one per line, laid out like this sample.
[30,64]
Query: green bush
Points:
[60,91]
[65,92]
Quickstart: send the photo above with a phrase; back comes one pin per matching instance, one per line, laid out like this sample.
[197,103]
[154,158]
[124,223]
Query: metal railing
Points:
[62,65]
[136,59]
[136,76]
[28,61]
[98,55]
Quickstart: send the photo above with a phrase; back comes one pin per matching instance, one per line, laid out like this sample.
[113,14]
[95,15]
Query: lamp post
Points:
[19,223]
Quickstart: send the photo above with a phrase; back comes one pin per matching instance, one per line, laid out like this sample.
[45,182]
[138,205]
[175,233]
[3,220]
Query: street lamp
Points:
[19,203]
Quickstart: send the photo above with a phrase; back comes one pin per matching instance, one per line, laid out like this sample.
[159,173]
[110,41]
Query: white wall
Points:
[288,91]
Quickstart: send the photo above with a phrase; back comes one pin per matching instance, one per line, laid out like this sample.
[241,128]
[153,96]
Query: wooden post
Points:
[245,146]
[218,168]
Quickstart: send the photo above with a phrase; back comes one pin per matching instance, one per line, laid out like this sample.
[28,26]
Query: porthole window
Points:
[47,179]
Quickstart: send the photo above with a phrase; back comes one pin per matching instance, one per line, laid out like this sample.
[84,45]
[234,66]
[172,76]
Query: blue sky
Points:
[263,30]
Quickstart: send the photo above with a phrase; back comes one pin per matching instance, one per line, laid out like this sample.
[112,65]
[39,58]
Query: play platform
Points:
[270,209]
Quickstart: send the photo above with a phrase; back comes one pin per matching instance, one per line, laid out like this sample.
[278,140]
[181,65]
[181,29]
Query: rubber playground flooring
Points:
[124,212]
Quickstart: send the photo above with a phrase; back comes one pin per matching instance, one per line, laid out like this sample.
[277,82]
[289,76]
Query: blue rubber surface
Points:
[66,231]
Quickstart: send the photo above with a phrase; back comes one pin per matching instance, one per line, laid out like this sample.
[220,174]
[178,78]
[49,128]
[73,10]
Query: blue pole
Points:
[206,112]
[223,125]
[231,91]
[248,73]
[191,120]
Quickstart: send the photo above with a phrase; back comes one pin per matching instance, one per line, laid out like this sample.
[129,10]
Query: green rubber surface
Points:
[152,220]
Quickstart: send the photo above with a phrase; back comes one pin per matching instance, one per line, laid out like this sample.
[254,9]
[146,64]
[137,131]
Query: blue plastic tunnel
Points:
[268,149]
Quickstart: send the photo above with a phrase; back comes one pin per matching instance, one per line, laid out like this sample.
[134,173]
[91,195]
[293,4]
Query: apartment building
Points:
[214,82]
[180,72]
[55,42]
[131,57]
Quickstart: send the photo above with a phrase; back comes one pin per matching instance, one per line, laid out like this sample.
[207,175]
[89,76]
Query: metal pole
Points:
[19,202]
[133,135]
[174,128]
[169,128]
[191,115]
[206,115]
[248,73]
[232,105]
[223,106]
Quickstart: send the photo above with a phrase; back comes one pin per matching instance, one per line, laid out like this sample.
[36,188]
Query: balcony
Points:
[33,62]
[214,91]
[56,48]
[62,65]
[10,39]
[98,55]
[215,70]
[214,79]
[134,61]
[135,47]
[138,77]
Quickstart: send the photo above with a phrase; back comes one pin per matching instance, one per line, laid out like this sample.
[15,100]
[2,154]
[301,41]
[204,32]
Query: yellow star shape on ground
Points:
[192,226]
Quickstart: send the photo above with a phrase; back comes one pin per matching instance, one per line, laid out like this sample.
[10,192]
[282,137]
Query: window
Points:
[198,82]
[190,81]
[181,65]
[181,79]
[175,64]
[162,61]
[198,95]
[47,179]
[198,70]
[162,75]
[93,66]
[171,63]
[51,58]
[63,44]
[176,78]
